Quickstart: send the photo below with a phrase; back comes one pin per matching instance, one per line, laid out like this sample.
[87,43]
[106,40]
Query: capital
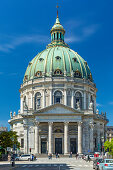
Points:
[50,123]
[36,123]
[66,123]
[80,123]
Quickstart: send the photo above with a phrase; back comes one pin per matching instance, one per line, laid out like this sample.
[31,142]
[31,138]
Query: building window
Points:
[77,74]
[37,100]
[22,143]
[58,72]
[58,57]
[58,97]
[38,74]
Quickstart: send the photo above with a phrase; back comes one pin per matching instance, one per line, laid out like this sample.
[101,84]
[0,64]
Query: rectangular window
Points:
[22,143]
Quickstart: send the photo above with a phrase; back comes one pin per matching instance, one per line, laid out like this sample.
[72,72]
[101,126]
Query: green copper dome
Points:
[57,60]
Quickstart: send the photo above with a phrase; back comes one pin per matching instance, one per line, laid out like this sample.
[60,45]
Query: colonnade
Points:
[50,138]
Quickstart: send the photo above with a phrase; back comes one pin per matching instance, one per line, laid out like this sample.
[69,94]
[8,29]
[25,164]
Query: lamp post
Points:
[102,139]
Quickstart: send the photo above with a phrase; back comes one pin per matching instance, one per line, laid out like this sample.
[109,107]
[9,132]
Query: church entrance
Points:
[43,145]
[73,145]
[58,145]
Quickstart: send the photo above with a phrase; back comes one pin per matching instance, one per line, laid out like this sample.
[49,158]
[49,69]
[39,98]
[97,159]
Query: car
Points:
[96,162]
[106,164]
[92,157]
[23,158]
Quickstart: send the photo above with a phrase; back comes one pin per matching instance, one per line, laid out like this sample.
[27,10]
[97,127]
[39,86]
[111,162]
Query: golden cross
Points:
[57,9]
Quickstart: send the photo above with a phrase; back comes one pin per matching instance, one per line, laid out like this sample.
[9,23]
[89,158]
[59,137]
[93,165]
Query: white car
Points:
[23,158]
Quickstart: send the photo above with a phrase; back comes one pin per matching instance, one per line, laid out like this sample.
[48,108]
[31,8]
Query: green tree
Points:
[8,139]
[109,146]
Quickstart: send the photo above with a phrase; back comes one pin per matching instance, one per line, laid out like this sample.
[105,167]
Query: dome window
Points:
[26,77]
[41,59]
[85,63]
[38,74]
[58,72]
[30,63]
[74,59]
[58,58]
[77,74]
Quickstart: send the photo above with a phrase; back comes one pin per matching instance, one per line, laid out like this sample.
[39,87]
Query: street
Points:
[45,164]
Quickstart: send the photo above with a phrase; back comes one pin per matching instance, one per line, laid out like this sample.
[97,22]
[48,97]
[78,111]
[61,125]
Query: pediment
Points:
[58,109]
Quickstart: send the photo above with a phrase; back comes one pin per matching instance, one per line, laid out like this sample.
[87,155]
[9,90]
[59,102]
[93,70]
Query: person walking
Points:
[88,158]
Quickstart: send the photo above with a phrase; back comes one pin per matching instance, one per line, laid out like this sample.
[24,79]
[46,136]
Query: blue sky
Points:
[25,30]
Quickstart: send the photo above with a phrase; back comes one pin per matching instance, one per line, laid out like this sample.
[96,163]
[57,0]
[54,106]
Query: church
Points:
[58,103]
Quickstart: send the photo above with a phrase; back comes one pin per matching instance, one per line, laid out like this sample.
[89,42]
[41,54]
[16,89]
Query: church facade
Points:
[58,103]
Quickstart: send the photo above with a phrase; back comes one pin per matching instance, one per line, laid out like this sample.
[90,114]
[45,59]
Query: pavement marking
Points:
[36,165]
[24,166]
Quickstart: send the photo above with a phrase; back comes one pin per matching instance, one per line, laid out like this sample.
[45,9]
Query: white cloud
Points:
[4,123]
[99,105]
[111,103]
[79,30]
[13,42]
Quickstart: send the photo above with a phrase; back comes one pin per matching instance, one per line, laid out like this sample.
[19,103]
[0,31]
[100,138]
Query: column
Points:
[66,138]
[36,137]
[72,99]
[25,139]
[39,144]
[50,137]
[65,97]
[84,100]
[88,100]
[21,104]
[51,97]
[91,137]
[95,104]
[43,98]
[98,136]
[79,137]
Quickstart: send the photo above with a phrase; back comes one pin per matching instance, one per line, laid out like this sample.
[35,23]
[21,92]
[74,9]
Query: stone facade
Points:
[58,124]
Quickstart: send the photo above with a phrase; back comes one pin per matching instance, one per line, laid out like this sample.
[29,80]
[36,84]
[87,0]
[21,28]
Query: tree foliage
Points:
[109,146]
[9,139]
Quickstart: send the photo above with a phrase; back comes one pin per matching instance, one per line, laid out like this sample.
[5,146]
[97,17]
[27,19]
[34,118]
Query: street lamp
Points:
[102,139]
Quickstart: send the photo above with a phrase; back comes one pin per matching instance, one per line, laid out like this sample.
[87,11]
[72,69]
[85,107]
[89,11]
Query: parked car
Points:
[92,157]
[96,162]
[23,158]
[106,164]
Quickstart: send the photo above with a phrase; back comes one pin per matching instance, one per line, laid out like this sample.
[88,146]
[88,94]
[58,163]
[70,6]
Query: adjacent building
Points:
[109,133]
[58,102]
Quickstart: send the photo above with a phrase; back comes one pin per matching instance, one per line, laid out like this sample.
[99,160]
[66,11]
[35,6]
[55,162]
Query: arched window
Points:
[37,100]
[58,97]
[78,99]
[77,74]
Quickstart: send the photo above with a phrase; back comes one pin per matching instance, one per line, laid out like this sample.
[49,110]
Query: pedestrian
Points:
[56,155]
[88,158]
[32,157]
[70,155]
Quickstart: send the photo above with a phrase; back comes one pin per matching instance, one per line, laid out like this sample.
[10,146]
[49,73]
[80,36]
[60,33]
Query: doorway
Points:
[73,145]
[58,145]
[43,145]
